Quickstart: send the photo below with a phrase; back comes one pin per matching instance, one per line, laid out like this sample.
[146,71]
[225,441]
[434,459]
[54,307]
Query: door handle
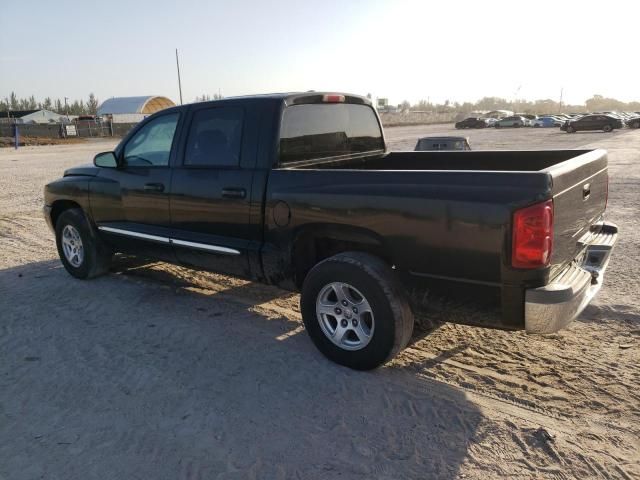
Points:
[586,191]
[234,193]
[154,187]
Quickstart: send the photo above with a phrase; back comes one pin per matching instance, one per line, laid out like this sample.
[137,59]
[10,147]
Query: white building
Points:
[132,109]
[32,116]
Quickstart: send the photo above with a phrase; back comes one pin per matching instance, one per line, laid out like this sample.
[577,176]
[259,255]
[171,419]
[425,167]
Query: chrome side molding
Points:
[130,233]
[172,241]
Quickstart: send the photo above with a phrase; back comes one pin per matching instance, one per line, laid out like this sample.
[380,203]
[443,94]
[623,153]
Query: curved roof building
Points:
[140,105]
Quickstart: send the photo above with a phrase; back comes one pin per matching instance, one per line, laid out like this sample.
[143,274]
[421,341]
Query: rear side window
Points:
[314,131]
[215,138]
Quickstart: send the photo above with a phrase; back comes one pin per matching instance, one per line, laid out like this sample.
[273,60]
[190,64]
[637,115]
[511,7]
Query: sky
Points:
[398,49]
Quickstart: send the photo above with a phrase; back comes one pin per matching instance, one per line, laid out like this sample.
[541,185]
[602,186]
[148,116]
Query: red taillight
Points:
[331,98]
[532,236]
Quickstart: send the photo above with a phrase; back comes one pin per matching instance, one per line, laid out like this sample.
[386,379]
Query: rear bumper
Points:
[552,307]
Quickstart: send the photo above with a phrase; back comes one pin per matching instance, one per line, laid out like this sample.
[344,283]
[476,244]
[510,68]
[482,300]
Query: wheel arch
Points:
[314,243]
[61,205]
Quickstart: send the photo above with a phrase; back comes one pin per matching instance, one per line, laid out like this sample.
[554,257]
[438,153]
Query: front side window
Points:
[313,131]
[151,145]
[215,138]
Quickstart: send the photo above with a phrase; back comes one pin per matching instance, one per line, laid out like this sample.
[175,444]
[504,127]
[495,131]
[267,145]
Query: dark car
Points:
[300,191]
[442,143]
[606,123]
[634,122]
[472,122]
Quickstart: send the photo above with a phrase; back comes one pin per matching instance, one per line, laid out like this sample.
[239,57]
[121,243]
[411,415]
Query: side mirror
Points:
[105,160]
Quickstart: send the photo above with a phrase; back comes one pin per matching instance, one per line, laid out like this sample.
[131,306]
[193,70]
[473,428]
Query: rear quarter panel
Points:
[450,224]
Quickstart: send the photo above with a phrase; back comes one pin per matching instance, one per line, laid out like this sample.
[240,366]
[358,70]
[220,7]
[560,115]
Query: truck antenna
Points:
[179,83]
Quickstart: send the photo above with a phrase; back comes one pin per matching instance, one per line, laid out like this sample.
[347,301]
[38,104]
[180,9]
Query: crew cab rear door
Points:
[211,190]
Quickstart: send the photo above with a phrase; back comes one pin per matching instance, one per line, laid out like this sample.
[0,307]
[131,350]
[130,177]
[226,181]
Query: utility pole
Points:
[561,92]
[179,82]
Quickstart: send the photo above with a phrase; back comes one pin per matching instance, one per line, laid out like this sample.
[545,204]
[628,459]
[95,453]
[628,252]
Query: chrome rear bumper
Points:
[552,307]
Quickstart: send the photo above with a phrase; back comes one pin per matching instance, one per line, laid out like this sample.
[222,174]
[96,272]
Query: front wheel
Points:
[570,129]
[355,310]
[635,124]
[82,253]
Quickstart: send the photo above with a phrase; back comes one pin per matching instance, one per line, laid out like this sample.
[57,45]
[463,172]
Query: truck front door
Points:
[130,204]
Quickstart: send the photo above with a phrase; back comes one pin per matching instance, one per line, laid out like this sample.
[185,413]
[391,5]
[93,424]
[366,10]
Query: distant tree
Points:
[75,108]
[492,103]
[13,101]
[47,104]
[205,97]
[92,104]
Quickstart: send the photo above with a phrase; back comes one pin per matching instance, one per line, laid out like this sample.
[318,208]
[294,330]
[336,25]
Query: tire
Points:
[570,129]
[635,124]
[81,252]
[607,128]
[390,321]
[498,125]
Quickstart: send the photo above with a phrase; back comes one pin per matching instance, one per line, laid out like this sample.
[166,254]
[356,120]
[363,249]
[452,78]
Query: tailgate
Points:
[580,188]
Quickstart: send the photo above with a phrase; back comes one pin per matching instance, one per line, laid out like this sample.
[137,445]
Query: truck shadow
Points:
[144,379]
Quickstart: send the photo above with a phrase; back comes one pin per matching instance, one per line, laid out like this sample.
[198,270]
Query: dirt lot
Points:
[158,372]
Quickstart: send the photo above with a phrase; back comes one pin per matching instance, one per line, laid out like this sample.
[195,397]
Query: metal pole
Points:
[179,82]
[17,135]
[561,92]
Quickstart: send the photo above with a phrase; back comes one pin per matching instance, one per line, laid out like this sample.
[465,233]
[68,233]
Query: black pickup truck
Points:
[299,190]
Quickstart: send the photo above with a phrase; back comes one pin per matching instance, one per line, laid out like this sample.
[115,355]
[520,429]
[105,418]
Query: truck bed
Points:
[448,215]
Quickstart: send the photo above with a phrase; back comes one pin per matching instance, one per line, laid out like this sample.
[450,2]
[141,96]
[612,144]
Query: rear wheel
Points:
[355,311]
[82,253]
[607,128]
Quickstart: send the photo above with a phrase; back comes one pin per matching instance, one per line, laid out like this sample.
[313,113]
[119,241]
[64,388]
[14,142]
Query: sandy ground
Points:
[159,372]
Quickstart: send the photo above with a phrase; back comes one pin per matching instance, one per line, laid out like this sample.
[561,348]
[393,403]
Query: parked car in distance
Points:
[472,122]
[426,144]
[634,122]
[546,122]
[606,123]
[299,190]
[515,121]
